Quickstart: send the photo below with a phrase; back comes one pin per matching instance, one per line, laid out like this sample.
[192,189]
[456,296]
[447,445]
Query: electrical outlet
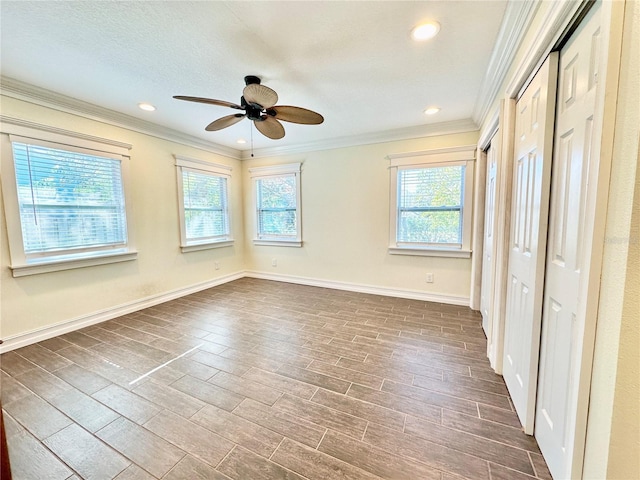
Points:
[429,278]
[274,262]
[216,265]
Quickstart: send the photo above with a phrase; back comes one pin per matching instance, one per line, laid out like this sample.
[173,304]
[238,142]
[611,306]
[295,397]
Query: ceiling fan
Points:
[259,105]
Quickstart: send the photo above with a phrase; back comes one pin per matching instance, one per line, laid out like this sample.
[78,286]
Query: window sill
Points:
[205,246]
[47,266]
[431,252]
[278,243]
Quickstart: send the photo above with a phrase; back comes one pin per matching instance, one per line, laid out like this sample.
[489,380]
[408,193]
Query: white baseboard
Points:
[362,288]
[40,334]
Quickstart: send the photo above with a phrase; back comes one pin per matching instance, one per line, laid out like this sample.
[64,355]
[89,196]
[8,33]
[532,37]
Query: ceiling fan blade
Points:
[224,122]
[263,96]
[210,101]
[297,115]
[270,127]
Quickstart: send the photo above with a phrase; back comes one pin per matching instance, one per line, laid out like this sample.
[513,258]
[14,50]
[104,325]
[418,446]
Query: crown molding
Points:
[47,98]
[29,93]
[553,26]
[515,23]
[420,131]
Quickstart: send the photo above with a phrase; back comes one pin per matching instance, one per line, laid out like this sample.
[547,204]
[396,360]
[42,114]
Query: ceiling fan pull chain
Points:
[251,133]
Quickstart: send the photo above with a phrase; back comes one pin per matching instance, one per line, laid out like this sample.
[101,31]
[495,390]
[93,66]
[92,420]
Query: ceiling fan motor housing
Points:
[255,113]
[254,110]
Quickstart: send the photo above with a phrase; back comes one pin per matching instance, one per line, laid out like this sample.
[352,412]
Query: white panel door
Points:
[488,270]
[562,324]
[529,215]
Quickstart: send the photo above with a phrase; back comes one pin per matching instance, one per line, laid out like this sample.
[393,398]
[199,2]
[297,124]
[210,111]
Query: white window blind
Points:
[277,207]
[430,202]
[205,206]
[69,201]
[276,195]
[203,202]
[430,205]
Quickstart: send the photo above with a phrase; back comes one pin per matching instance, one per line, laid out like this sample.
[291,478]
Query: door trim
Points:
[504,178]
[486,137]
[477,239]
[556,25]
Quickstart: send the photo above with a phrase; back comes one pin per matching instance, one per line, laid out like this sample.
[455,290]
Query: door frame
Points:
[556,27]
[491,136]
[503,122]
[477,238]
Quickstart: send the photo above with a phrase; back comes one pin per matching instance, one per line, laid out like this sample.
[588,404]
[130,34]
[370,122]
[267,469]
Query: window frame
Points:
[23,264]
[205,168]
[286,170]
[444,157]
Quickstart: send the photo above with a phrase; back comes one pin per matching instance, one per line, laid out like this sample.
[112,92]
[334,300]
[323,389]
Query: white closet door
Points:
[563,325]
[488,269]
[529,215]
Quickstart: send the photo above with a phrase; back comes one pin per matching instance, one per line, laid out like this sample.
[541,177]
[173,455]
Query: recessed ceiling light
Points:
[431,110]
[241,141]
[146,107]
[425,31]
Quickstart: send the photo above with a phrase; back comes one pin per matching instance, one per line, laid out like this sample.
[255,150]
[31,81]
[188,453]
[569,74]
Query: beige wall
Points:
[345,223]
[624,461]
[33,302]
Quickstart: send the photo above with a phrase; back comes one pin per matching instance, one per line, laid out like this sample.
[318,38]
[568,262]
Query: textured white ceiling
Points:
[353,62]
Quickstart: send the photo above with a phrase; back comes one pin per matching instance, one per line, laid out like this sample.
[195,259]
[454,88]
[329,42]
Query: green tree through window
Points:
[430,205]
[277,206]
[205,205]
[68,200]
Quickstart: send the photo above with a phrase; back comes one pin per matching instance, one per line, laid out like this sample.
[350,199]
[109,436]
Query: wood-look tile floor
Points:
[257,379]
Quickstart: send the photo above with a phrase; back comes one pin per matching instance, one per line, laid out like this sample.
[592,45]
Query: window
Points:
[430,205]
[277,200]
[65,202]
[203,195]
[431,202]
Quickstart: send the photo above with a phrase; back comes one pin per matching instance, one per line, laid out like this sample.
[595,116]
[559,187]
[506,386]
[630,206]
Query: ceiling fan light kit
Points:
[259,105]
